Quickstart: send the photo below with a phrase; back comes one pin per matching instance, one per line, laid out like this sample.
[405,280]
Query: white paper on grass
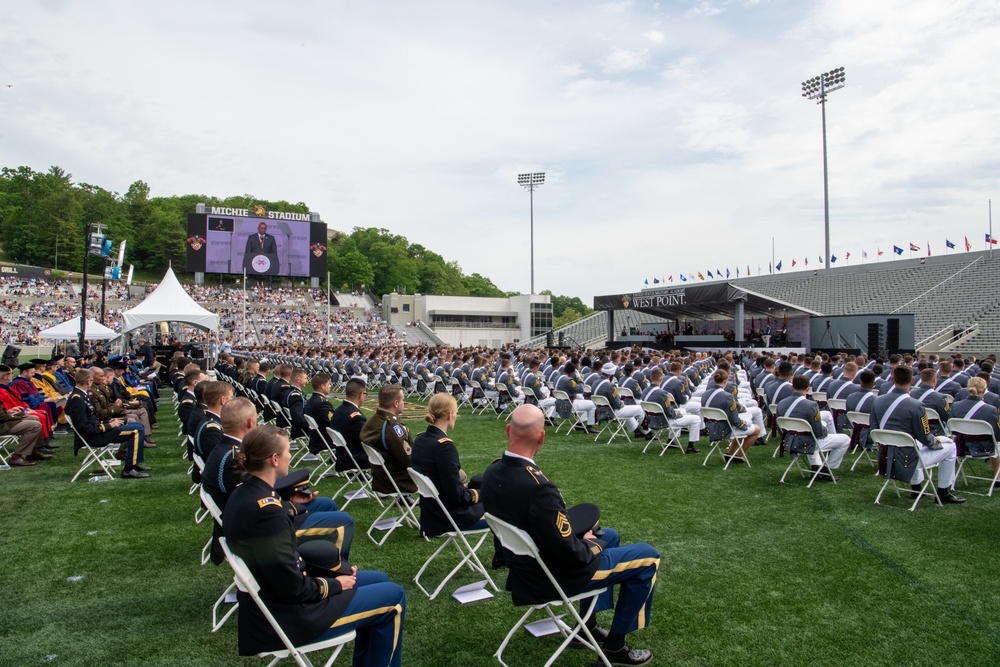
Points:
[387,524]
[546,626]
[472,592]
[354,495]
[310,457]
[230,597]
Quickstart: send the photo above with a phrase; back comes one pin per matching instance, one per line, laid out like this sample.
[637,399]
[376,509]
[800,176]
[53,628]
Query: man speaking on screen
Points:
[258,244]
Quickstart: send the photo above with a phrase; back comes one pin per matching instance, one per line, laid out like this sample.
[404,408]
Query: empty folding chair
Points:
[520,543]
[246,583]
[404,502]
[456,536]
[6,442]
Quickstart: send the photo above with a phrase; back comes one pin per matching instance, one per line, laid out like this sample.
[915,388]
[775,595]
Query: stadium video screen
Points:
[232,241]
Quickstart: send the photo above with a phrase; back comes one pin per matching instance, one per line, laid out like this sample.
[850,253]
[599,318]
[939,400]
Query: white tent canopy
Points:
[70,330]
[169,303]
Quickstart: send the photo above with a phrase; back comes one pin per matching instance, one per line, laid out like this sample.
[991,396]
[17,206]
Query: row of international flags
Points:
[718,274]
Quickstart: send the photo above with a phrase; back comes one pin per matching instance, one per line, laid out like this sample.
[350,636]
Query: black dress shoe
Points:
[627,655]
[142,468]
[38,456]
[949,498]
[134,473]
[691,449]
[499,562]
[734,459]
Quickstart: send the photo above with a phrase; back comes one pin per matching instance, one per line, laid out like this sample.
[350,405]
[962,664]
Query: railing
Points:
[427,331]
[925,341]
[964,334]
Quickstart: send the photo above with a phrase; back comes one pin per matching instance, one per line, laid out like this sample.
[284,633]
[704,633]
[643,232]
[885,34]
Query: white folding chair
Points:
[837,406]
[626,396]
[722,444]
[615,424]
[520,543]
[353,476]
[6,442]
[201,512]
[327,457]
[206,554]
[245,581]
[484,401]
[862,419]
[455,387]
[934,418]
[974,429]
[796,426]
[397,499]
[456,536]
[902,440]
[507,399]
[575,418]
[673,433]
[102,455]
[772,408]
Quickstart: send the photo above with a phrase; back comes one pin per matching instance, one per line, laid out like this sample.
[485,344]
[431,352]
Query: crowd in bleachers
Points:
[35,287]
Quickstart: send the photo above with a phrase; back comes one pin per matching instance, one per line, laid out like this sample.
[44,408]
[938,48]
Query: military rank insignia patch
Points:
[925,423]
[264,502]
[562,525]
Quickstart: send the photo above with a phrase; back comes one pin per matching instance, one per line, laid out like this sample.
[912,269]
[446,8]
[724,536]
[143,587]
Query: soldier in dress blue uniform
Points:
[896,410]
[516,491]
[348,420]
[80,409]
[799,406]
[308,604]
[295,401]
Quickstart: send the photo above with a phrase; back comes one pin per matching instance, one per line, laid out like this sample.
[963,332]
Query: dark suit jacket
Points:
[348,421]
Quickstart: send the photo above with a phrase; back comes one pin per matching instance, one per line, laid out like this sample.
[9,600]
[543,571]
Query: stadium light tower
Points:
[817,88]
[532,181]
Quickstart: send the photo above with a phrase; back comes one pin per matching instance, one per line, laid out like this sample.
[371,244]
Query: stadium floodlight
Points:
[530,182]
[817,89]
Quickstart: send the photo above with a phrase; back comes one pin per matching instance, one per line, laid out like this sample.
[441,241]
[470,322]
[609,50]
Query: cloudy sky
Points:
[673,134]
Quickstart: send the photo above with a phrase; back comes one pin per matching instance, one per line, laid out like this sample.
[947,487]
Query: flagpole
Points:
[990,209]
[327,337]
[244,305]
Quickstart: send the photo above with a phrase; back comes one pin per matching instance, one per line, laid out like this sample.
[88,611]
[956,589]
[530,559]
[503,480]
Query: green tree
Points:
[350,270]
[480,286]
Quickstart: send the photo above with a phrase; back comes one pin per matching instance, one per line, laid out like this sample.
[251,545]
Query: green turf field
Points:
[753,572]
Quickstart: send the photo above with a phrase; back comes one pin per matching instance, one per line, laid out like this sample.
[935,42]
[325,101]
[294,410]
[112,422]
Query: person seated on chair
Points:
[308,604]
[974,407]
[675,418]
[929,397]
[348,420]
[207,432]
[435,455]
[568,383]
[29,447]
[295,401]
[387,434]
[896,410]
[738,424]
[799,406]
[320,409]
[80,409]
[109,407]
[516,491]
[632,414]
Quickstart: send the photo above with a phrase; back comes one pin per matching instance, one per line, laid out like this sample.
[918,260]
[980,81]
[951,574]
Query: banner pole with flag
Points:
[327,307]
[244,305]
[990,213]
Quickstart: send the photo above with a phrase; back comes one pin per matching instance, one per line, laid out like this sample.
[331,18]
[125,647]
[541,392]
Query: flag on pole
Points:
[864,254]
[793,262]
[646,281]
[820,260]
[990,239]
[896,249]
[806,260]
[671,278]
[737,272]
[727,274]
[656,281]
[748,269]
[847,255]
[947,244]
[880,253]
[683,279]
[968,246]
[833,259]
[718,272]
[915,248]
[769,269]
[928,248]
[701,276]
[778,265]
[710,274]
